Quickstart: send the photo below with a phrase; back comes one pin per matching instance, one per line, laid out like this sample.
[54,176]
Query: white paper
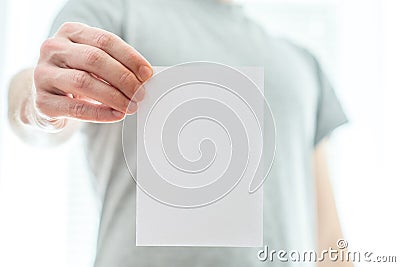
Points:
[166,218]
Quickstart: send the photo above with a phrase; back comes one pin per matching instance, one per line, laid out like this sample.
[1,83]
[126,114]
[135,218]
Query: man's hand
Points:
[81,64]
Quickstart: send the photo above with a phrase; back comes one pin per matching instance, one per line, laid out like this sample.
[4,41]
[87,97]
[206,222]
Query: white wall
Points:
[47,215]
[358,44]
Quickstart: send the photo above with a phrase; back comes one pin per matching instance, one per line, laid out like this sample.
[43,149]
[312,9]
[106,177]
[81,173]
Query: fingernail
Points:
[132,107]
[145,73]
[117,113]
[139,94]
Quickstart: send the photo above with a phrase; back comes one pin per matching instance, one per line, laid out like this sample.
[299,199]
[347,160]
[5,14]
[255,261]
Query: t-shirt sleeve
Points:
[104,14]
[330,114]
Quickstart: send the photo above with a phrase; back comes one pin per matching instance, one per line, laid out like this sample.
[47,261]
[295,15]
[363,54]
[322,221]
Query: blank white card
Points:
[198,150]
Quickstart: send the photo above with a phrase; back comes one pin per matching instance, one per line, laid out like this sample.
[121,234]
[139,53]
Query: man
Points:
[101,62]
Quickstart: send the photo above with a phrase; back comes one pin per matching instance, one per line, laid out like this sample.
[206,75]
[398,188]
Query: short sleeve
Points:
[104,14]
[330,114]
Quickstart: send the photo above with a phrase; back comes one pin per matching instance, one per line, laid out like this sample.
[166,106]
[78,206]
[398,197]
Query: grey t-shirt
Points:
[302,101]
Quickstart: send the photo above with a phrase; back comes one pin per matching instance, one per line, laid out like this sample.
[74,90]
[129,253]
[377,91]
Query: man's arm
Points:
[329,230]
[83,74]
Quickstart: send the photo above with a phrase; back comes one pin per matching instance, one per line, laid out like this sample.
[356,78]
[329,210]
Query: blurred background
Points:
[49,215]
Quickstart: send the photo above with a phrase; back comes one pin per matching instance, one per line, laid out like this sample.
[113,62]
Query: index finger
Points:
[111,44]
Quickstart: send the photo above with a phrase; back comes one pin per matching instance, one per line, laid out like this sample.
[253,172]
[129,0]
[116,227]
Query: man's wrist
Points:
[30,115]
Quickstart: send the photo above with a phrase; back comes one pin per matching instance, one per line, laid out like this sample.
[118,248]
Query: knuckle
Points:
[43,78]
[48,45]
[51,51]
[81,80]
[104,41]
[93,57]
[77,110]
[38,74]
[68,27]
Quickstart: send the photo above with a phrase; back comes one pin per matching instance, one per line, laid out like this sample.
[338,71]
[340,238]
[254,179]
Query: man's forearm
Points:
[24,119]
[329,230]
